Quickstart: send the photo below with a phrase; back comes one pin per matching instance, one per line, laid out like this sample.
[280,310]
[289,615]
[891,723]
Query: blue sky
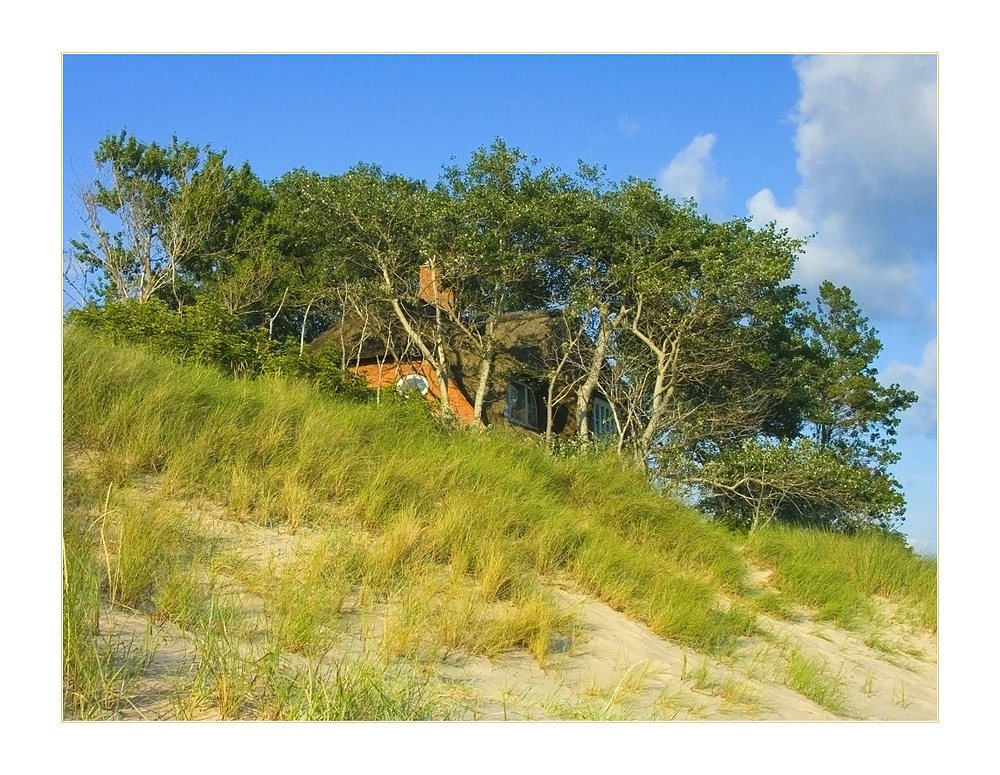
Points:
[843,147]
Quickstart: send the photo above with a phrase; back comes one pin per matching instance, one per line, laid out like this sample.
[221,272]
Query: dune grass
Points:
[99,672]
[448,538]
[494,507]
[813,678]
[838,575]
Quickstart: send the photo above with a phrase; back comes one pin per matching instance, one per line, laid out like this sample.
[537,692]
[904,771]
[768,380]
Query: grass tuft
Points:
[810,676]
[839,575]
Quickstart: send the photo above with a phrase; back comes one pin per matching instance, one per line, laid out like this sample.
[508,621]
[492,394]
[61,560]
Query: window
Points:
[602,421]
[521,407]
[412,384]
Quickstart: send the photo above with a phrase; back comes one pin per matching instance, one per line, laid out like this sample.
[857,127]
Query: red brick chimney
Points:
[428,290]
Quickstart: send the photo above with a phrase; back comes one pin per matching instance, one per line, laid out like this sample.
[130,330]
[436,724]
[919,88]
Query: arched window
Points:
[521,407]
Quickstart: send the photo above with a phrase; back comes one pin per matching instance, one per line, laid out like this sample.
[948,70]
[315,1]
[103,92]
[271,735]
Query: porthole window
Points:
[412,383]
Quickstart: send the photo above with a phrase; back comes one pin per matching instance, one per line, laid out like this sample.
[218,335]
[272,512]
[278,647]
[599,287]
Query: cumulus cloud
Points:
[692,172]
[921,418]
[763,208]
[866,136]
[867,124]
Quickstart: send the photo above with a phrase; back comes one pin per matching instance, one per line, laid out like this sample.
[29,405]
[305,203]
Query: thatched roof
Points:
[527,340]
[526,348]
[375,335]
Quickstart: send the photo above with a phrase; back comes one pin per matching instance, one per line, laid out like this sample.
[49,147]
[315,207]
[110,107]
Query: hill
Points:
[250,549]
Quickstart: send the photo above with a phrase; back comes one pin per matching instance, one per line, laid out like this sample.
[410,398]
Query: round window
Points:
[412,383]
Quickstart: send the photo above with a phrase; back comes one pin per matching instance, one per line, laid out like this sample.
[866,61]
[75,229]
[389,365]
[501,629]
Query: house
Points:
[526,348]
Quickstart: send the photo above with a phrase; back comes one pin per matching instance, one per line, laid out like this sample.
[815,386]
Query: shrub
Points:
[208,334]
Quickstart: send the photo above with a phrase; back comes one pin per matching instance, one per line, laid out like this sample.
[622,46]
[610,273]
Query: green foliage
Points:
[721,379]
[175,222]
[700,341]
[850,411]
[203,333]
[500,238]
[796,482]
[208,334]
[146,215]
[839,478]
[321,369]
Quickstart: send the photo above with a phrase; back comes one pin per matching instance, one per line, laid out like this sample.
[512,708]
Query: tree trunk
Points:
[270,324]
[435,357]
[302,336]
[485,371]
[586,392]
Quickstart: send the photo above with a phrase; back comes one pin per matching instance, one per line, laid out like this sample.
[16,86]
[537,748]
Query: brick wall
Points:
[386,377]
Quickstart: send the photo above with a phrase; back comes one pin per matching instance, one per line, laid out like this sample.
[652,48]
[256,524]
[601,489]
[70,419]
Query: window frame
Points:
[608,429]
[527,393]
[404,384]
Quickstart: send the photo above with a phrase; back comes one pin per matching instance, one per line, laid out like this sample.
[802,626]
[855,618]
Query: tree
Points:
[835,470]
[850,411]
[147,217]
[720,377]
[242,264]
[705,303]
[494,244]
[315,269]
[384,225]
[593,285]
[797,482]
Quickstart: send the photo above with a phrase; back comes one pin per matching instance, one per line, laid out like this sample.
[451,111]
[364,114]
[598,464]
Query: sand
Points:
[610,668]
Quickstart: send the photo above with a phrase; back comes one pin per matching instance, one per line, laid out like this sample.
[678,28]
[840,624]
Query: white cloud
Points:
[921,418]
[868,121]
[866,135]
[692,172]
[763,208]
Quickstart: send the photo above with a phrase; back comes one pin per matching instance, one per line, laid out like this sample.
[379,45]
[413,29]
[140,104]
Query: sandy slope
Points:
[611,668]
[621,670]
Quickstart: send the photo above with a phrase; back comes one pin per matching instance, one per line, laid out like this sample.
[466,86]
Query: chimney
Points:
[428,290]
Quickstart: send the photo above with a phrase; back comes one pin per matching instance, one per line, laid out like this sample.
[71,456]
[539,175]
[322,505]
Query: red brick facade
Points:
[387,375]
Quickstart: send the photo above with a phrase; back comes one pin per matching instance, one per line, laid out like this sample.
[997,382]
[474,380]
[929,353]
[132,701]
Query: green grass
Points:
[773,604]
[100,671]
[495,507]
[838,575]
[811,677]
[353,691]
[449,538]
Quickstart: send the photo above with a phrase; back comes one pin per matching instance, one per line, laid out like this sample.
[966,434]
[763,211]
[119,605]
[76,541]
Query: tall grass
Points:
[450,537]
[353,691]
[495,506]
[838,574]
[811,677]
[99,670]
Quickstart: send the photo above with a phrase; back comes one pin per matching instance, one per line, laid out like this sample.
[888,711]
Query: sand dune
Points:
[610,667]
